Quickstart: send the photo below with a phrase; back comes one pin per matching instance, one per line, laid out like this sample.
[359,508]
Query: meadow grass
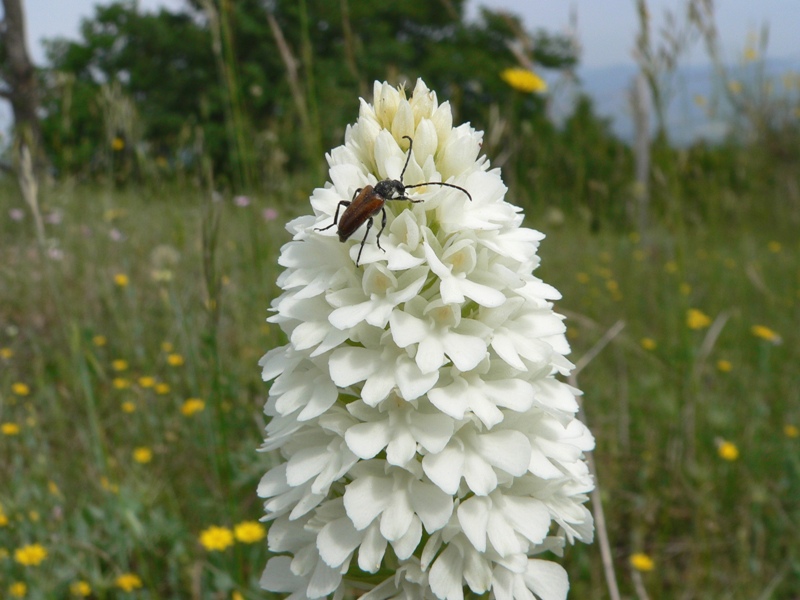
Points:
[131,400]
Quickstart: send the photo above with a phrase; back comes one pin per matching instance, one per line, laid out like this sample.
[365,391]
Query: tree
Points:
[281,71]
[18,82]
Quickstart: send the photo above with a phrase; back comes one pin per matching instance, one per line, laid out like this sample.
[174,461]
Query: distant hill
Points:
[687,119]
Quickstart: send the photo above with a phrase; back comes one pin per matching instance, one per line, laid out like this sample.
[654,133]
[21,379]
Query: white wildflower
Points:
[425,441]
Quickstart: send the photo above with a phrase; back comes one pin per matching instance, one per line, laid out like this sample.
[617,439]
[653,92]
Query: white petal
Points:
[405,545]
[350,365]
[431,505]
[473,516]
[430,354]
[432,431]
[378,387]
[324,581]
[305,464]
[337,541]
[273,482]
[365,499]
[502,536]
[397,517]
[407,329]
[349,316]
[445,468]
[528,516]
[278,576]
[402,449]
[482,294]
[479,475]
[365,440]
[546,579]
[372,549]
[412,382]
[452,399]
[465,351]
[446,573]
[477,572]
[508,450]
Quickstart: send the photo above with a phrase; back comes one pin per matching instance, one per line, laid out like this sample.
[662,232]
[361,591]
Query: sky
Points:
[606,28]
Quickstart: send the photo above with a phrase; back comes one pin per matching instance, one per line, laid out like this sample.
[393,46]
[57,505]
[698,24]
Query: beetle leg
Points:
[336,216]
[366,233]
[383,226]
[407,199]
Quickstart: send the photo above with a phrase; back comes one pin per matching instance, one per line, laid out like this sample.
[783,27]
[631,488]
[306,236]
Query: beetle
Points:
[370,200]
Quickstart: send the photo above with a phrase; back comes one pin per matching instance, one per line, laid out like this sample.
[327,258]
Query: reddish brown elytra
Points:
[369,201]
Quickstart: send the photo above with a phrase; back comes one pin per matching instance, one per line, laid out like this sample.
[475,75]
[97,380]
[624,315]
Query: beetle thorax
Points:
[387,189]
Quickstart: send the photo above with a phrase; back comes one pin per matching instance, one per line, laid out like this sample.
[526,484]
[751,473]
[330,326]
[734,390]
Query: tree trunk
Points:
[19,85]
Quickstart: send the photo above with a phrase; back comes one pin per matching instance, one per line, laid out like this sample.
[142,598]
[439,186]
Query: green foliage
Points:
[165,63]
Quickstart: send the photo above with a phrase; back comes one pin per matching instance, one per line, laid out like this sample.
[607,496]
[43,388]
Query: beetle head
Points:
[387,188]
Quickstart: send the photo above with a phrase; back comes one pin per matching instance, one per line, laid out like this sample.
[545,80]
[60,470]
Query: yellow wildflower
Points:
[99,340]
[791,431]
[191,406]
[128,582]
[6,353]
[524,81]
[648,343]
[162,388]
[17,589]
[81,589]
[216,538]
[728,451]
[30,555]
[146,381]
[249,532]
[117,144]
[121,280]
[121,383]
[724,366]
[175,360]
[167,346]
[765,333]
[697,319]
[9,428]
[128,407]
[641,562]
[119,365]
[142,455]
[108,486]
[20,389]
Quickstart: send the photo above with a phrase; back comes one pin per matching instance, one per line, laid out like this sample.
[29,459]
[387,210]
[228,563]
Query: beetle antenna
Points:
[440,183]
[410,144]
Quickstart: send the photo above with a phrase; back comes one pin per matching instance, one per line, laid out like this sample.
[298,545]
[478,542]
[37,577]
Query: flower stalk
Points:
[427,446]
